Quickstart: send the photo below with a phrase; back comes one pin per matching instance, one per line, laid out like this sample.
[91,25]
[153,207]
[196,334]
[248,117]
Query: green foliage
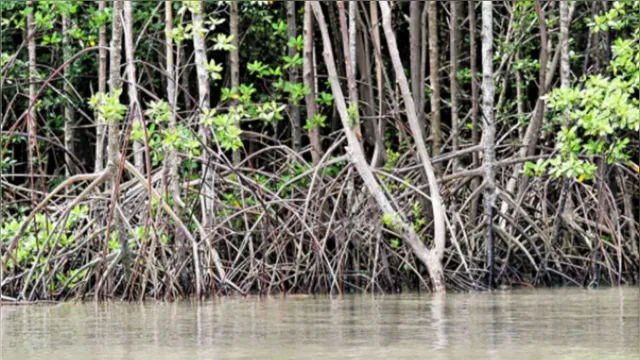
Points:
[258,68]
[280,27]
[7,161]
[192,5]
[71,277]
[296,91]
[181,33]
[419,221]
[158,111]
[108,107]
[318,120]
[392,158]
[598,116]
[335,169]
[214,70]
[53,39]
[225,126]
[325,99]
[352,112]
[391,221]
[297,42]
[292,61]
[620,15]
[180,138]
[39,233]
[270,112]
[223,42]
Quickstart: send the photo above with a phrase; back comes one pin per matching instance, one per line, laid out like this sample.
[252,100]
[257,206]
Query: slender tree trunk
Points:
[353,107]
[113,146]
[134,103]
[350,71]
[171,166]
[182,74]
[607,37]
[234,32]
[353,59]
[353,31]
[308,78]
[532,134]
[204,102]
[335,35]
[31,117]
[366,87]
[115,81]
[424,56]
[434,260]
[208,192]
[473,64]
[565,198]
[417,79]
[564,44]
[69,122]
[379,152]
[294,109]
[429,258]
[519,96]
[489,130]
[453,69]
[434,65]
[544,60]
[102,88]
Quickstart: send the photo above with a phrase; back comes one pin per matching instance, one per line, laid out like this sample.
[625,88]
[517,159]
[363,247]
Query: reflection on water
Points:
[540,324]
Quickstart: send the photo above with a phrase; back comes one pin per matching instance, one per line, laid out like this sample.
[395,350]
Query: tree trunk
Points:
[453,69]
[69,122]
[171,165]
[434,75]
[350,71]
[424,48]
[532,133]
[335,35]
[379,152]
[473,64]
[519,96]
[115,81]
[489,130]
[544,59]
[565,197]
[31,117]
[363,61]
[134,104]
[308,78]
[434,261]
[357,157]
[234,55]
[417,79]
[294,109]
[208,193]
[113,146]
[564,44]
[102,88]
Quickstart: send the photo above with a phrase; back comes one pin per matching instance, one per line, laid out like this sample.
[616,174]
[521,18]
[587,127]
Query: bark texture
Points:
[308,78]
[489,130]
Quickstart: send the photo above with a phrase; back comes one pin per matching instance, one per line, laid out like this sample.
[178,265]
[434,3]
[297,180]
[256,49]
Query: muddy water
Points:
[540,324]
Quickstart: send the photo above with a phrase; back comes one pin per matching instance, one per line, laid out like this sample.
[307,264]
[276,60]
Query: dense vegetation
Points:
[173,148]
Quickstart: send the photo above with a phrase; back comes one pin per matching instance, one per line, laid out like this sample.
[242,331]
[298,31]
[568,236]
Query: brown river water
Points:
[520,325]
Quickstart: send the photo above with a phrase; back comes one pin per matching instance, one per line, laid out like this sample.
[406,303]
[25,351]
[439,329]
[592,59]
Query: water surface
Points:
[527,324]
